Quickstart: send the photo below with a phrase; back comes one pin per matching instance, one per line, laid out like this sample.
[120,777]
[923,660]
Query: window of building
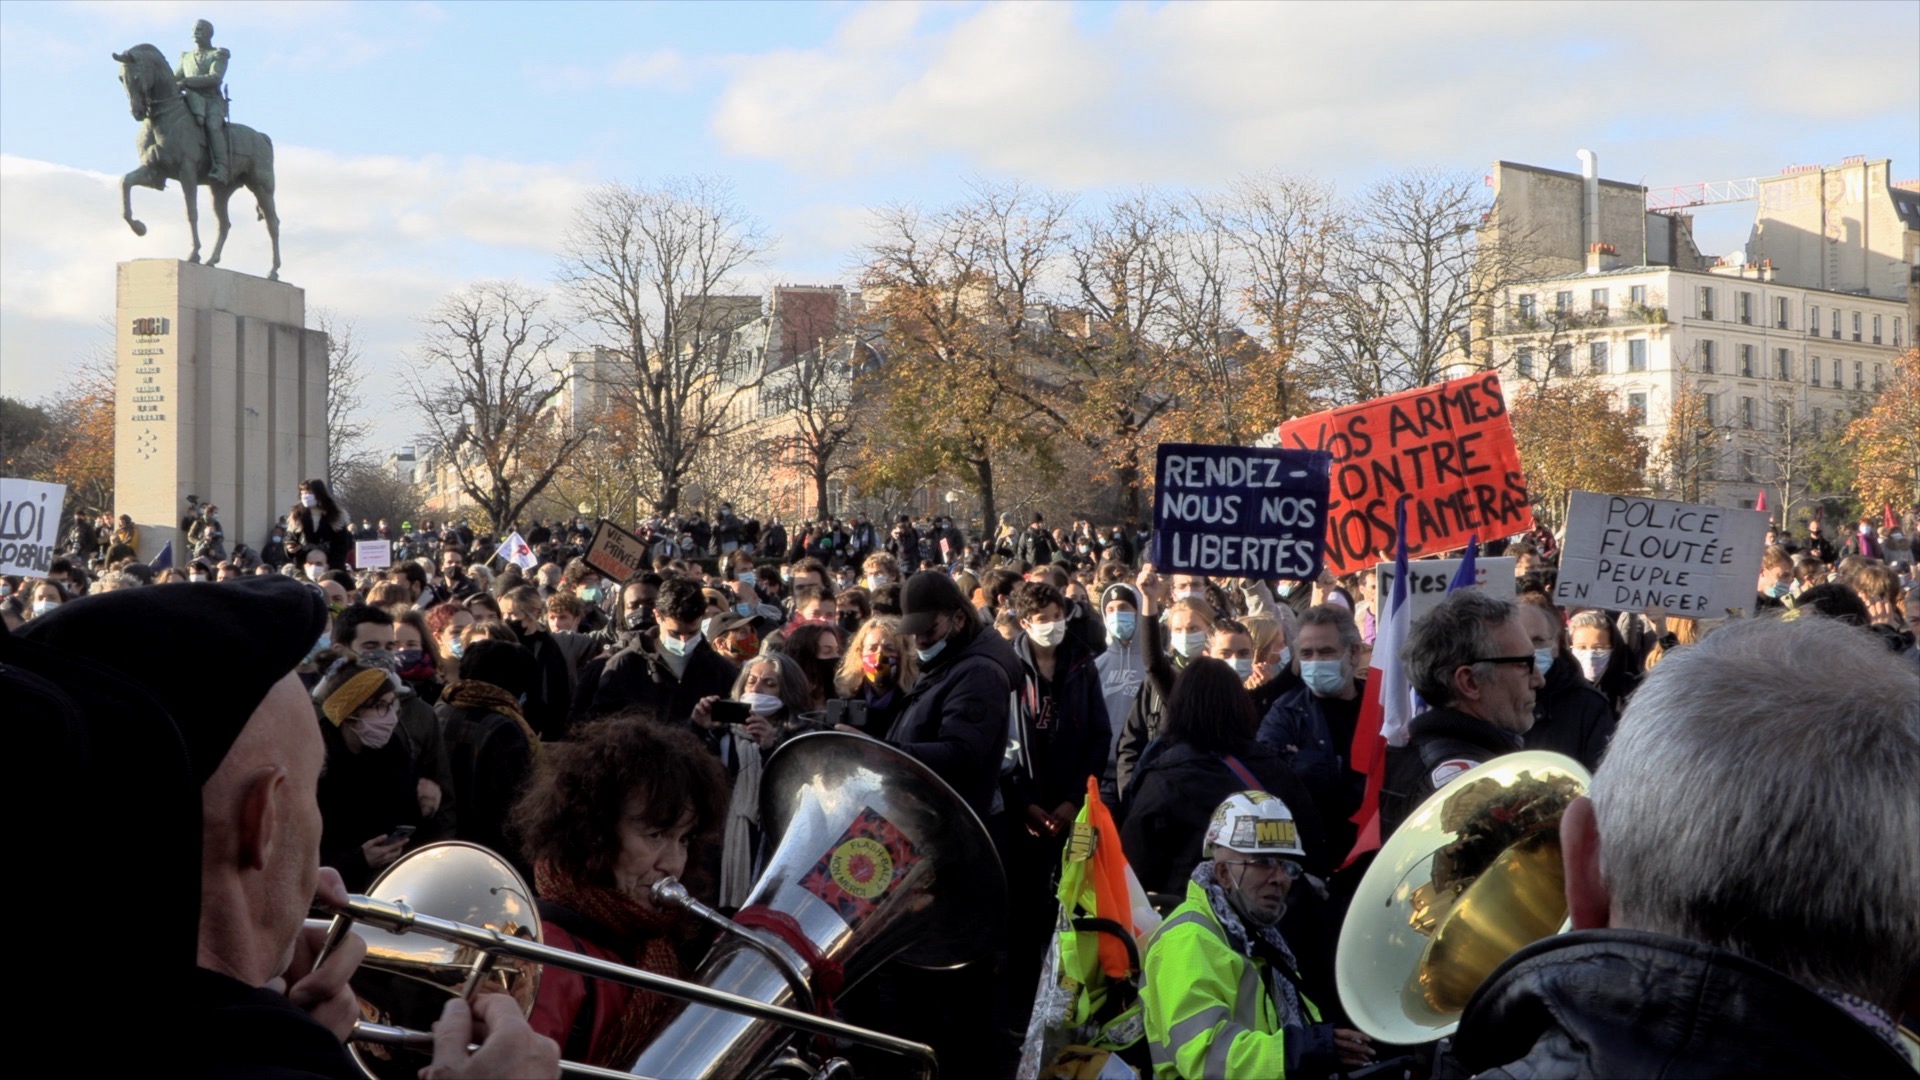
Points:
[1523,363]
[1813,368]
[1783,364]
[1637,354]
[1706,301]
[1598,301]
[1813,320]
[1879,374]
[1743,307]
[1526,305]
[1819,418]
[1836,324]
[1746,361]
[1856,326]
[1637,408]
[1563,302]
[1563,359]
[1859,375]
[1637,296]
[1746,412]
[1707,357]
[1876,329]
[1597,358]
[1896,333]
[1746,467]
[1780,312]
[1713,410]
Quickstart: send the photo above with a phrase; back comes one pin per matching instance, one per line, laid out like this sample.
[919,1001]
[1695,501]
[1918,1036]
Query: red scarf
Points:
[644,934]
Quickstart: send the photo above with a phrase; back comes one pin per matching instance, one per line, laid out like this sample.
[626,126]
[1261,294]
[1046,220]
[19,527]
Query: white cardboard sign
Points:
[372,554]
[29,525]
[1427,581]
[1626,553]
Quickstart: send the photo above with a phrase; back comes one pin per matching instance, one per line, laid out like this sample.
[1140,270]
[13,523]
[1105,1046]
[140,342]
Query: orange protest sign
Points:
[1448,447]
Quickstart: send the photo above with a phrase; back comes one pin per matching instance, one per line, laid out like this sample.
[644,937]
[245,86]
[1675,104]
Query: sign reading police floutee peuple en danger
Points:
[1625,553]
[1240,511]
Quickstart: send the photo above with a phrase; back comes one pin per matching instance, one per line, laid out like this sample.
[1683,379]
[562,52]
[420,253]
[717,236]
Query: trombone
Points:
[488,946]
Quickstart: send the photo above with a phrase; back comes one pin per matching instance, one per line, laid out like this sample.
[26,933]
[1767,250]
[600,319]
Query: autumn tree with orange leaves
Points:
[1884,442]
[1572,438]
[67,437]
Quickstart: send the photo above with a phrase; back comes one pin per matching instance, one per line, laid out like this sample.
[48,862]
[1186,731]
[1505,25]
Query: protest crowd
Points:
[1740,874]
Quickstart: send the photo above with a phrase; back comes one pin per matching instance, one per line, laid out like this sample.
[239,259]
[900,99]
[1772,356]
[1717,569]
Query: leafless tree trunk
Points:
[347,426]
[649,268]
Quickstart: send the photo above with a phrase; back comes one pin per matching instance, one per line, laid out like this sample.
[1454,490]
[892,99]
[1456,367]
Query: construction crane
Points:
[1704,193]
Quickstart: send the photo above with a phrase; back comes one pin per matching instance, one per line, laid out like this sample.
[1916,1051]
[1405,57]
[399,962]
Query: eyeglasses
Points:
[1524,661]
[1270,863]
[380,708]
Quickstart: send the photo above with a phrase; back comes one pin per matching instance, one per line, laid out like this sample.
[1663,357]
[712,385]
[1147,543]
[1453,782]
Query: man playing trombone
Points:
[255,1003]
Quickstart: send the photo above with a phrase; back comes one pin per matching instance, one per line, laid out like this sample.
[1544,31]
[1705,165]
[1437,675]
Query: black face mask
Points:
[850,622]
[639,620]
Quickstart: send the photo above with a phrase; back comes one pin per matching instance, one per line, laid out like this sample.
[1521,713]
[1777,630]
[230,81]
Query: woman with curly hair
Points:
[622,805]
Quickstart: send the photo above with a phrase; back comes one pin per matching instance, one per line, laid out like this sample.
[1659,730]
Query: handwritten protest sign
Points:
[1449,447]
[372,554]
[29,525]
[1625,553]
[1427,581]
[615,552]
[1240,511]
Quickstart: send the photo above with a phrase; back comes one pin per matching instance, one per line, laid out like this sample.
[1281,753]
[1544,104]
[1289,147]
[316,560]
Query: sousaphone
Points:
[1469,878]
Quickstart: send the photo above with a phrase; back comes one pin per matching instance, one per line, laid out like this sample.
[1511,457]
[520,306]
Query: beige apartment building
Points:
[1775,348]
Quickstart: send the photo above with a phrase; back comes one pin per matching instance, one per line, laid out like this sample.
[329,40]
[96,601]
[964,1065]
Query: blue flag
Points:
[163,560]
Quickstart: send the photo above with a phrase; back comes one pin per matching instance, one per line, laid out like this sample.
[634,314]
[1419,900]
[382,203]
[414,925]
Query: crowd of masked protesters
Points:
[601,734]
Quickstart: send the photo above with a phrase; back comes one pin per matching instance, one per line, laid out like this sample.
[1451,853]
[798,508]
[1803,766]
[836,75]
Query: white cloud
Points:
[378,240]
[1194,92]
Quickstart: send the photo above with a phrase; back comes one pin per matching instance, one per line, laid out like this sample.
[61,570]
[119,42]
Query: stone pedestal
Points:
[221,393]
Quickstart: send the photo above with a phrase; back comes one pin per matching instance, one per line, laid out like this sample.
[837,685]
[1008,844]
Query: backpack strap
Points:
[1246,775]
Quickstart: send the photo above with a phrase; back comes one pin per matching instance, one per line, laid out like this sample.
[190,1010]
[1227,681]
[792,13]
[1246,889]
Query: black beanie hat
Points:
[162,637]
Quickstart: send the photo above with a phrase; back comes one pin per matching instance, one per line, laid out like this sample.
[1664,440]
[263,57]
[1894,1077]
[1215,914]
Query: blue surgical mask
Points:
[1543,659]
[1190,644]
[745,611]
[1120,624]
[1323,677]
[458,648]
[590,593]
[325,642]
[1242,666]
[929,653]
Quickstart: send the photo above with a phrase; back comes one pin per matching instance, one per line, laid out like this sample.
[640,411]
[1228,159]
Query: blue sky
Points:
[425,145]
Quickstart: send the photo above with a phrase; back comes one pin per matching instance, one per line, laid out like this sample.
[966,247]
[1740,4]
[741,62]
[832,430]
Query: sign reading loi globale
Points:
[1447,448]
[1240,511]
[1625,553]
[29,525]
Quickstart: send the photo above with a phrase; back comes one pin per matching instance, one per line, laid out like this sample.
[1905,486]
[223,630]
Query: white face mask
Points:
[678,646]
[1047,634]
[1190,644]
[1543,659]
[1185,593]
[1593,662]
[309,500]
[375,734]
[1242,666]
[315,571]
[41,607]
[762,704]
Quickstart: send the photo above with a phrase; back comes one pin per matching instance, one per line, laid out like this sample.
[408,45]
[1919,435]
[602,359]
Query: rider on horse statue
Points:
[202,72]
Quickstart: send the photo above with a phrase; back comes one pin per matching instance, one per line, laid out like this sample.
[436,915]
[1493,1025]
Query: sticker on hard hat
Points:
[1248,832]
[1449,769]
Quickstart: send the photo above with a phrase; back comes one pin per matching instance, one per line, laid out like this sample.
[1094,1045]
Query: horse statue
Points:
[173,145]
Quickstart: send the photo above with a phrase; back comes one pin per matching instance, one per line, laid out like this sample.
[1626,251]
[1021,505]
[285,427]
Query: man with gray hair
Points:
[1471,660]
[1742,879]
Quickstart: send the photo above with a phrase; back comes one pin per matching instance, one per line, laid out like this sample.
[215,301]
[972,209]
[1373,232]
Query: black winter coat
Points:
[491,760]
[1570,717]
[1175,799]
[1436,737]
[363,796]
[1319,759]
[956,715]
[1631,1003]
[310,530]
[1074,745]
[638,676]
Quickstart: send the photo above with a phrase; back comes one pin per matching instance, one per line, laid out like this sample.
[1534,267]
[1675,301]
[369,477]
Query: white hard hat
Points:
[1252,823]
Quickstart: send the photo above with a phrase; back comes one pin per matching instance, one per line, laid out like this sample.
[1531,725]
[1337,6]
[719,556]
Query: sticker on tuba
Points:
[867,862]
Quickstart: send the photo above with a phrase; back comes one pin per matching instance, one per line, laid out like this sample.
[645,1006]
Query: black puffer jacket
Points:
[1631,1003]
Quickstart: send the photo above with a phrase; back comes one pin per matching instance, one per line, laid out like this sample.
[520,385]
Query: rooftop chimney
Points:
[1601,258]
[1590,203]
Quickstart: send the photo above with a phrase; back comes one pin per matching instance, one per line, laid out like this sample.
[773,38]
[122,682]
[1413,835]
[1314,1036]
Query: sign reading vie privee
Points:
[1626,553]
[1240,511]
[1448,447]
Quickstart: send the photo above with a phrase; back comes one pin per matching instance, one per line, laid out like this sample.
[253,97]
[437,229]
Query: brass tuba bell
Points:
[1471,876]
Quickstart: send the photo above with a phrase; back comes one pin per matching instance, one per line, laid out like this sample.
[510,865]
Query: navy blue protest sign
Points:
[1240,511]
